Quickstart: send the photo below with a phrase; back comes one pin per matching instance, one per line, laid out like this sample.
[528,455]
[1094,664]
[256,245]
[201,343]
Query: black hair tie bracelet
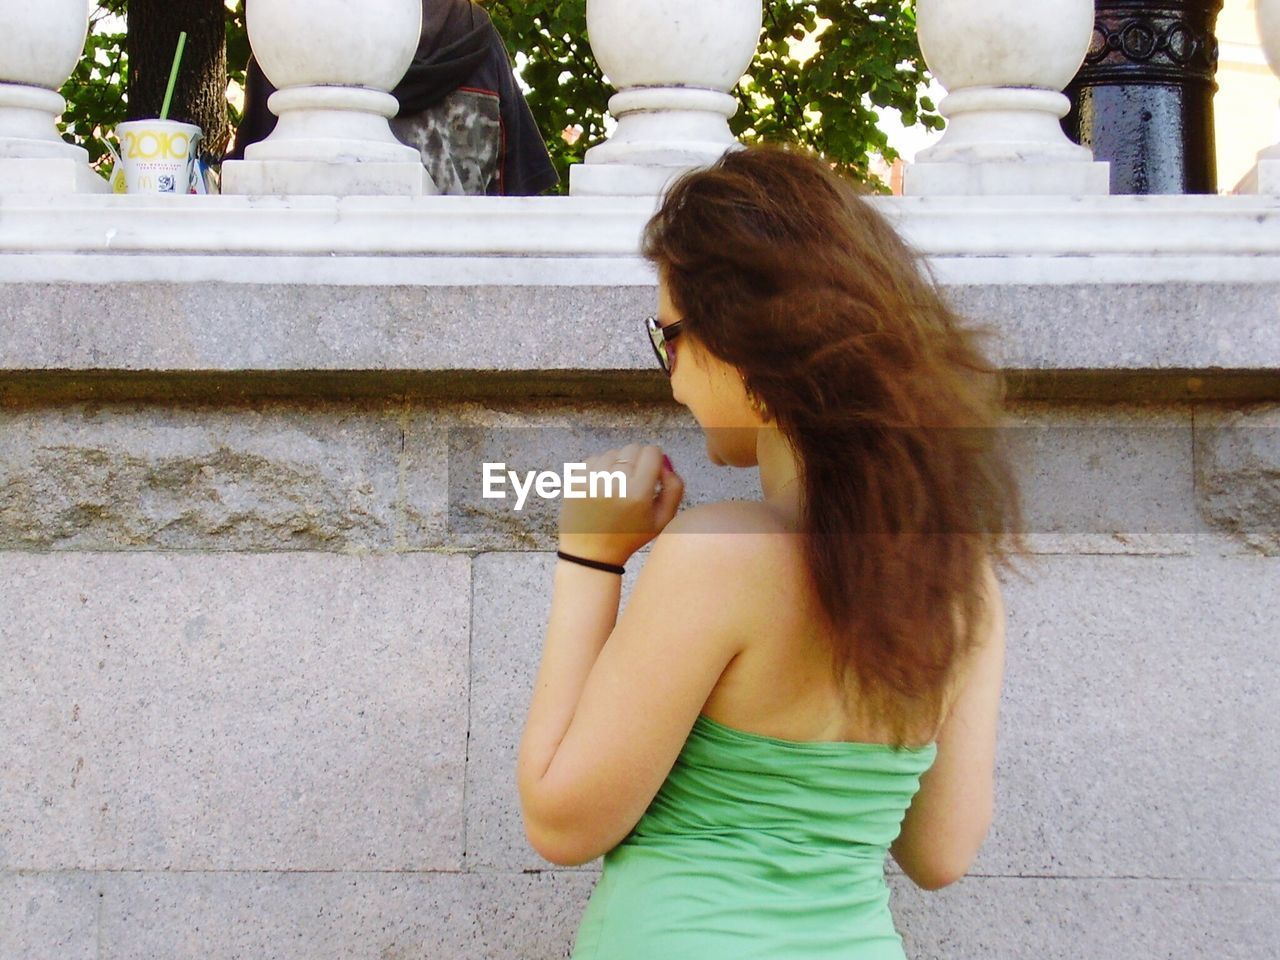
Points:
[597,564]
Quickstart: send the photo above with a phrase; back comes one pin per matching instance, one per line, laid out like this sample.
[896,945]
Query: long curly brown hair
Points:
[780,267]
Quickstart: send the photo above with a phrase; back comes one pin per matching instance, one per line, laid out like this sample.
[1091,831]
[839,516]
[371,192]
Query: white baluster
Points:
[332,63]
[674,63]
[42,44]
[1004,64]
[1265,176]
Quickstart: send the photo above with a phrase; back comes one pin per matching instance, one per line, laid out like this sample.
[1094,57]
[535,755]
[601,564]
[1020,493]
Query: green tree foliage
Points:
[866,57]
[237,52]
[95,93]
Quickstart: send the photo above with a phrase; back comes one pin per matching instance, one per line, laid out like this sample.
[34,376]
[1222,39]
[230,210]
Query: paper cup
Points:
[157,155]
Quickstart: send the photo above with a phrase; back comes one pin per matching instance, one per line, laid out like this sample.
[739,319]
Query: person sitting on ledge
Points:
[460,107]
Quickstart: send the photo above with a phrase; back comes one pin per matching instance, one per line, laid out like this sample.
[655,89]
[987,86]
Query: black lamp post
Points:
[1143,98]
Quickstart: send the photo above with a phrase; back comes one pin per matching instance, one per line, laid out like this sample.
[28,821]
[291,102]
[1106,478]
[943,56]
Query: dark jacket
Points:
[460,106]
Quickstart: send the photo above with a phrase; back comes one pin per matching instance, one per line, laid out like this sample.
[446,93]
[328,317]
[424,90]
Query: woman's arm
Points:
[952,812]
[584,610]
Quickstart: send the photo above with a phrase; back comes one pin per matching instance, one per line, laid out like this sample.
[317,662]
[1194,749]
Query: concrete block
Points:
[1263,176]
[425,470]
[512,601]
[1097,478]
[260,178]
[1105,478]
[273,476]
[534,915]
[1137,732]
[170,711]
[1237,472]
[536,435]
[1124,327]
[1049,327]
[1016,177]
[341,916]
[1006,918]
[621,179]
[48,916]
[41,176]
[317,327]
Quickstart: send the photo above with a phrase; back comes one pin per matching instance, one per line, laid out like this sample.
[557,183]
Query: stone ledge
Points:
[27,387]
[223,340]
[1044,226]
[109,297]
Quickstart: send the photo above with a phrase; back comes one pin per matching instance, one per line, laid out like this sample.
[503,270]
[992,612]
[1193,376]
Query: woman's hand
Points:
[612,528]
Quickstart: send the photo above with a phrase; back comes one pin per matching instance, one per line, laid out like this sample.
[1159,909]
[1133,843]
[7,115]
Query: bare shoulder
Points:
[727,516]
[744,529]
[747,555]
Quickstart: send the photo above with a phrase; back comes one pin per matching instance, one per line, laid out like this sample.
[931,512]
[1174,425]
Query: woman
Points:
[800,685]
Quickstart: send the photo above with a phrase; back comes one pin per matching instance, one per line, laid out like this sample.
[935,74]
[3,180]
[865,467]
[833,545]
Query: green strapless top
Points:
[758,848]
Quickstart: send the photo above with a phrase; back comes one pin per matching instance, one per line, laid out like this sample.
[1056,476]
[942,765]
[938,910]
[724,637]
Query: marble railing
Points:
[1004,64]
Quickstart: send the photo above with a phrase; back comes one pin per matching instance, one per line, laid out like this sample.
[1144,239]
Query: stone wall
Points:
[265,656]
[264,667]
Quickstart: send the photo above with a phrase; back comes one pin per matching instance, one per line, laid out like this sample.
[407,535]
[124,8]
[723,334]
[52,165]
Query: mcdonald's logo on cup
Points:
[157,155]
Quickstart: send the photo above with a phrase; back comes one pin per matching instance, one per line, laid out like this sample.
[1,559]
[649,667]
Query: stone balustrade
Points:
[333,64]
[1132,296]
[1004,64]
[42,43]
[674,64]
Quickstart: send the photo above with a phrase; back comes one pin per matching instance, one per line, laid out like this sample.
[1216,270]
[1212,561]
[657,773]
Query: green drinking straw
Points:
[173,75]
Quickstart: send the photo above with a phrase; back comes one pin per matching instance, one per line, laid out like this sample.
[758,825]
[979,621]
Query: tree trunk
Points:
[200,96]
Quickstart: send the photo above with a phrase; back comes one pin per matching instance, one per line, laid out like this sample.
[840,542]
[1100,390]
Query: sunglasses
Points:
[660,336]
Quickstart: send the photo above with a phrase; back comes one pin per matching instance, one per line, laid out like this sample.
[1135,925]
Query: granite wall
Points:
[264,666]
